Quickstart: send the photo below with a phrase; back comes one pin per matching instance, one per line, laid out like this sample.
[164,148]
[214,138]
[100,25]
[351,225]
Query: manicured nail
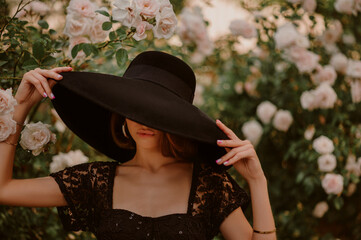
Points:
[59,76]
[225,163]
[70,68]
[219,141]
[45,95]
[218,160]
[52,96]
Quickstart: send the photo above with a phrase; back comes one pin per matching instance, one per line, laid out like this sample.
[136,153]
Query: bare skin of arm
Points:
[243,157]
[33,192]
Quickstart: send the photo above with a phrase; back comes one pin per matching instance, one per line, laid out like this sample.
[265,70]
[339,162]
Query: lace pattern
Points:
[86,188]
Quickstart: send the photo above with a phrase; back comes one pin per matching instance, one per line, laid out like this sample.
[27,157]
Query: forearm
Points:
[8,151]
[261,208]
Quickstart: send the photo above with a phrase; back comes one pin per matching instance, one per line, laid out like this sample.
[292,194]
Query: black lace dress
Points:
[88,189]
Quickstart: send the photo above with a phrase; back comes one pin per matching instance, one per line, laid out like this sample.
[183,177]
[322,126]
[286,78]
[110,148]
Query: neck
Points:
[150,159]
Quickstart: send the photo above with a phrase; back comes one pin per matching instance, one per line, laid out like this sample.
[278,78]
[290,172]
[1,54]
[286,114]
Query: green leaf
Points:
[3,63]
[338,203]
[87,49]
[52,32]
[49,60]
[38,50]
[122,57]
[43,24]
[94,49]
[103,12]
[106,26]
[31,63]
[75,50]
[112,36]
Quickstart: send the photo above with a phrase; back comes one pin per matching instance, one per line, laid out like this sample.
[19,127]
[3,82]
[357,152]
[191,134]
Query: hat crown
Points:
[166,70]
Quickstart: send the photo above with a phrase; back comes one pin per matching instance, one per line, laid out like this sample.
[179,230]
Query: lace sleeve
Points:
[229,196]
[74,182]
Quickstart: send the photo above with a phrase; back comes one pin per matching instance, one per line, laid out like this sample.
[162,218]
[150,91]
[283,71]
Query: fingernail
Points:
[70,68]
[45,95]
[52,96]
[59,76]
[219,141]
[218,160]
[225,163]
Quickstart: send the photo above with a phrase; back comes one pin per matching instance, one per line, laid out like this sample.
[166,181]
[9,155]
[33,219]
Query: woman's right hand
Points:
[34,84]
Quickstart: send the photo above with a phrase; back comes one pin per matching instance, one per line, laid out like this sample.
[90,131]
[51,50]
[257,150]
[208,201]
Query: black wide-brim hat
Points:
[156,90]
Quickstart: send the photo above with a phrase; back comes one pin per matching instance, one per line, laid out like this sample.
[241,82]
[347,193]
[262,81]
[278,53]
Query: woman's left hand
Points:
[241,154]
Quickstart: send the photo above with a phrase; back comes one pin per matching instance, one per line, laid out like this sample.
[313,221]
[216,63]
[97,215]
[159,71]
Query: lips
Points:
[146,132]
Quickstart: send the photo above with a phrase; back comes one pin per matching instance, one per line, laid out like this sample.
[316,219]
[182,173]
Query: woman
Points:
[157,194]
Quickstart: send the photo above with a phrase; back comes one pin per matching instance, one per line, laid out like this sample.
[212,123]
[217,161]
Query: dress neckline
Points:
[190,197]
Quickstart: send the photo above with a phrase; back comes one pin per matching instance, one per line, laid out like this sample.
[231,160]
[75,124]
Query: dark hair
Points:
[172,145]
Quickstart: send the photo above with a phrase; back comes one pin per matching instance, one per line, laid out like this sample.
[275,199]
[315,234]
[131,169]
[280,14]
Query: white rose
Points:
[82,8]
[148,8]
[310,131]
[76,25]
[307,61]
[302,41]
[96,32]
[327,162]
[339,62]
[142,27]
[282,120]
[242,28]
[75,157]
[74,41]
[7,101]
[238,87]
[345,6]
[265,111]
[353,166]
[309,6]
[285,35]
[323,145]
[325,96]
[124,12]
[333,183]
[320,209]
[7,126]
[35,136]
[348,38]
[326,74]
[59,162]
[252,130]
[166,23]
[308,100]
[163,4]
[354,69]
[39,7]
[356,90]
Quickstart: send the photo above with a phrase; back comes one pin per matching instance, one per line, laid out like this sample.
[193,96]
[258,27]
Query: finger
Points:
[36,83]
[61,69]
[240,155]
[231,153]
[226,130]
[232,143]
[43,82]
[50,74]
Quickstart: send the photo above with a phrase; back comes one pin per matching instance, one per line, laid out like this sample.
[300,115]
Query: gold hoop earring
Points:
[123,129]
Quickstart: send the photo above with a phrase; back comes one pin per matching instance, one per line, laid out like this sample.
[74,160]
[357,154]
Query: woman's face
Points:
[144,136]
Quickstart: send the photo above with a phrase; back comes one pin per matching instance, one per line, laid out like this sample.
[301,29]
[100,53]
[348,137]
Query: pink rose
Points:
[125,12]
[308,100]
[148,8]
[306,61]
[339,62]
[142,27]
[282,120]
[7,126]
[242,28]
[327,162]
[356,90]
[7,101]
[166,23]
[96,32]
[333,183]
[82,8]
[325,96]
[326,74]
[323,145]
[309,5]
[285,36]
[76,25]
[265,111]
[345,6]
[253,131]
[310,131]
[354,69]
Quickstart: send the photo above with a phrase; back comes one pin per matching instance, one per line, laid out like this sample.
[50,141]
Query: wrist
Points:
[261,180]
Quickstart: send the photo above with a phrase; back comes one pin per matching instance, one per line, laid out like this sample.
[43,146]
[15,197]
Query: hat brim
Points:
[85,101]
